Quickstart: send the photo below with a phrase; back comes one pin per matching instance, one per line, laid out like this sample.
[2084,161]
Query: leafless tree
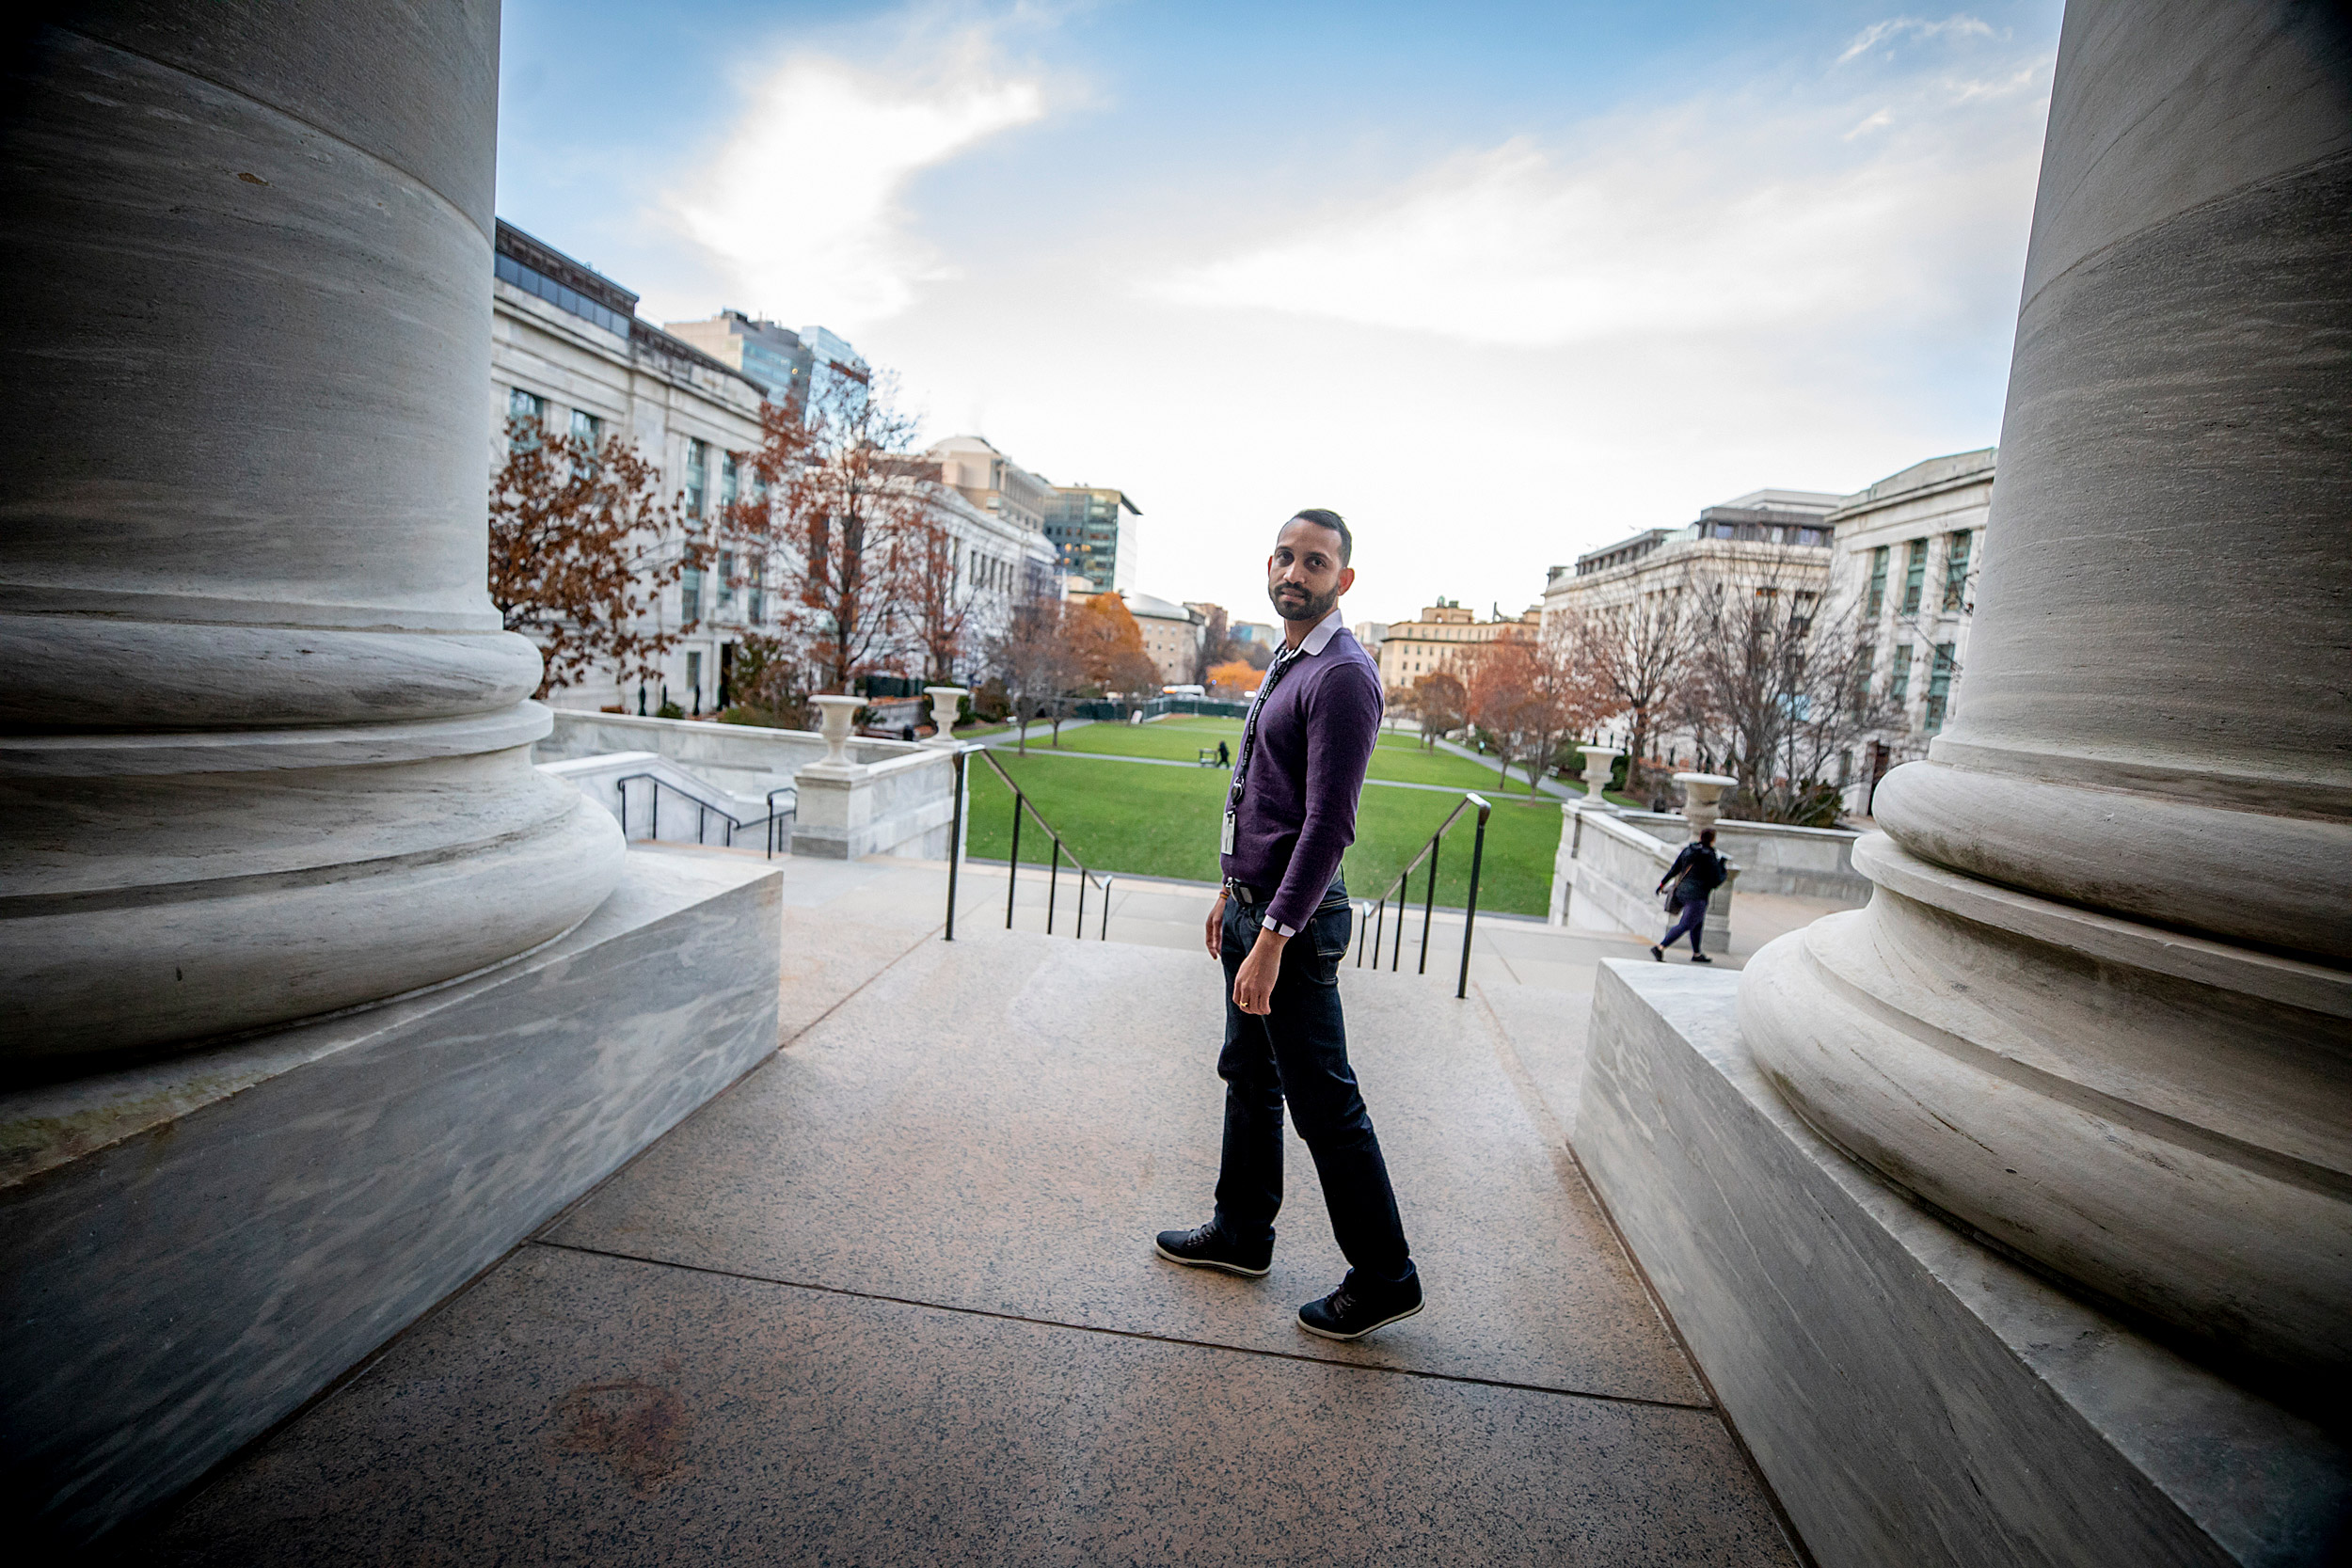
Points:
[1777,690]
[1032,657]
[846,524]
[1637,652]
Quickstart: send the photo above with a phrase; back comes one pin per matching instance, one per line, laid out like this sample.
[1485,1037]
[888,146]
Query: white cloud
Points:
[1894,27]
[803,205]
[1725,215]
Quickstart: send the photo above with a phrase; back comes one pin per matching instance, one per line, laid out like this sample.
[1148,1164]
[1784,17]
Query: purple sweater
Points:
[1298,810]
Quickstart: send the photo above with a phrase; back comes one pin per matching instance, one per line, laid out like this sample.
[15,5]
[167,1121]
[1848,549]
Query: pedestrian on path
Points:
[1280,927]
[1695,873]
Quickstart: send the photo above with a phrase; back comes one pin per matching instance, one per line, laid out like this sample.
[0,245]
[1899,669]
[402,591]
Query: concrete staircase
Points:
[892,1298]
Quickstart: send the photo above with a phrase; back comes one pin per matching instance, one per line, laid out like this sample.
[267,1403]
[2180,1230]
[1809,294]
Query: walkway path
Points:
[891,1299]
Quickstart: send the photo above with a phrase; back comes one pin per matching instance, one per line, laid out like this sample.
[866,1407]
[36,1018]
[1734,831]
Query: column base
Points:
[1913,1395]
[193,1248]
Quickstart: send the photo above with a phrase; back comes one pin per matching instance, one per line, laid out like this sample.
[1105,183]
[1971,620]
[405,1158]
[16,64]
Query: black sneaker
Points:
[1701,958]
[1656,952]
[1208,1248]
[1346,1314]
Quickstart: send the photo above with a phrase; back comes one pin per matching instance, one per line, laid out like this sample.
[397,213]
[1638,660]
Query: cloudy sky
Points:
[1501,283]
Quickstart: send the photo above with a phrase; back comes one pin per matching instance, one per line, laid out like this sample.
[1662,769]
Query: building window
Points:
[586,427]
[1899,688]
[730,479]
[1939,686]
[694,678]
[528,410]
[1914,573]
[1956,571]
[1862,668]
[757,593]
[697,462]
[726,577]
[1877,581]
[689,595]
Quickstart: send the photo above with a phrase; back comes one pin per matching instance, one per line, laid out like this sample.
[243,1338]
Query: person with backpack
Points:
[1695,873]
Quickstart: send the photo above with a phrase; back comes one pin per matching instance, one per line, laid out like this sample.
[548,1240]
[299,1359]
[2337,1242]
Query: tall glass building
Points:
[1091,528]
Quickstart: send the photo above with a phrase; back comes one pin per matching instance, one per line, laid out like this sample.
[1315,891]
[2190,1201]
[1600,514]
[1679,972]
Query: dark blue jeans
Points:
[1691,918]
[1297,1053]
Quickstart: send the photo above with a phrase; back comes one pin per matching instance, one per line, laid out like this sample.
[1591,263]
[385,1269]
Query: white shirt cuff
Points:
[1282,930]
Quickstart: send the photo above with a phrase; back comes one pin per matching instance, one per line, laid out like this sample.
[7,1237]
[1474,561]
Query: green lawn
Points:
[1162,823]
[1177,739]
[1397,757]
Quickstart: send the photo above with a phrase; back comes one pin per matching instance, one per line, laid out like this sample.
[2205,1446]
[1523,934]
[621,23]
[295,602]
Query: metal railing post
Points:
[1469,915]
[1429,903]
[955,836]
[1082,880]
[1012,880]
[1053,876]
[1104,934]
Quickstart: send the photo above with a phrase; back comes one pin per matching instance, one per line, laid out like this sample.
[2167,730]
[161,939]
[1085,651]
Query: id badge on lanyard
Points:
[1248,747]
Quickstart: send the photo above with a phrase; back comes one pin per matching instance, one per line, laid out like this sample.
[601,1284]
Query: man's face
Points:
[1303,575]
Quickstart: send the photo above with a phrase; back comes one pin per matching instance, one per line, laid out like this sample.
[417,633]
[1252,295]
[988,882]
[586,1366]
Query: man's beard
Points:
[1311,610]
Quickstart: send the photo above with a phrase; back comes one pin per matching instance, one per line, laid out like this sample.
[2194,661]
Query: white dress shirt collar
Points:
[1326,630]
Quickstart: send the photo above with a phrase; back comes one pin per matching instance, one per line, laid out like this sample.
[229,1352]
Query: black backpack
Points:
[1705,871]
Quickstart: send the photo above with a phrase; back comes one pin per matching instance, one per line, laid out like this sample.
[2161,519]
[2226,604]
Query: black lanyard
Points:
[1275,672]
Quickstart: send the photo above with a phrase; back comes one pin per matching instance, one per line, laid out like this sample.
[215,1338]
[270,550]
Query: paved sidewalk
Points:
[891,1299]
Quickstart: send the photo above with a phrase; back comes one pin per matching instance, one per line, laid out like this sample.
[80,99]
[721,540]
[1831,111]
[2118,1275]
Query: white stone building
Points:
[1444,637]
[1777,541]
[1907,554]
[998,555]
[567,352]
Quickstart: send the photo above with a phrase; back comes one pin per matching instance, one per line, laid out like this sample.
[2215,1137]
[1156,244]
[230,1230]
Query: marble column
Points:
[2100,1007]
[264,748]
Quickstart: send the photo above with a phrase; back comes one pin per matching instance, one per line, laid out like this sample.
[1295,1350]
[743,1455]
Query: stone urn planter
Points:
[839,713]
[1598,762]
[945,700]
[1702,797]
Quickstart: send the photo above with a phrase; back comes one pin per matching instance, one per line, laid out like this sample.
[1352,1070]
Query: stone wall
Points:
[895,798]
[1772,857]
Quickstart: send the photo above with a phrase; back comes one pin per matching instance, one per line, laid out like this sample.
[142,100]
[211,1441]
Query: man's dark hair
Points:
[1325,517]
[1707,835]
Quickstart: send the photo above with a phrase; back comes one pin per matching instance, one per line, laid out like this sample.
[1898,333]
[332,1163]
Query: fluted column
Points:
[2099,1007]
[266,749]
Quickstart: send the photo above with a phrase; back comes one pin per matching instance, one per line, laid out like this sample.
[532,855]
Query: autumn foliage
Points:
[1528,693]
[1236,676]
[582,547]
[1108,646]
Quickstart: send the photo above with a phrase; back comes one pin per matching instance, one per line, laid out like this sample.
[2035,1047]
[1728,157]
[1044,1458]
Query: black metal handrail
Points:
[1372,917]
[1012,879]
[705,811]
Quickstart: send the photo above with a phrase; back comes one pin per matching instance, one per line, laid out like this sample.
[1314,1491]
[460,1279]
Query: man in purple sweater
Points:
[1280,927]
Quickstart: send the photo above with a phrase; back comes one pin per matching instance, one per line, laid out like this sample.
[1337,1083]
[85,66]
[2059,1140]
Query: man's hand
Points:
[1217,926]
[1253,988]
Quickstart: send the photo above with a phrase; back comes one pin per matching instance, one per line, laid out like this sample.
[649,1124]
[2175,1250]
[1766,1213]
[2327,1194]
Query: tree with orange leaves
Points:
[1236,675]
[1108,646]
[1528,693]
[582,547]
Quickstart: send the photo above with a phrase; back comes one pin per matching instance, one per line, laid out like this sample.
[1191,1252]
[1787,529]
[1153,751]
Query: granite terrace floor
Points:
[892,1299]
